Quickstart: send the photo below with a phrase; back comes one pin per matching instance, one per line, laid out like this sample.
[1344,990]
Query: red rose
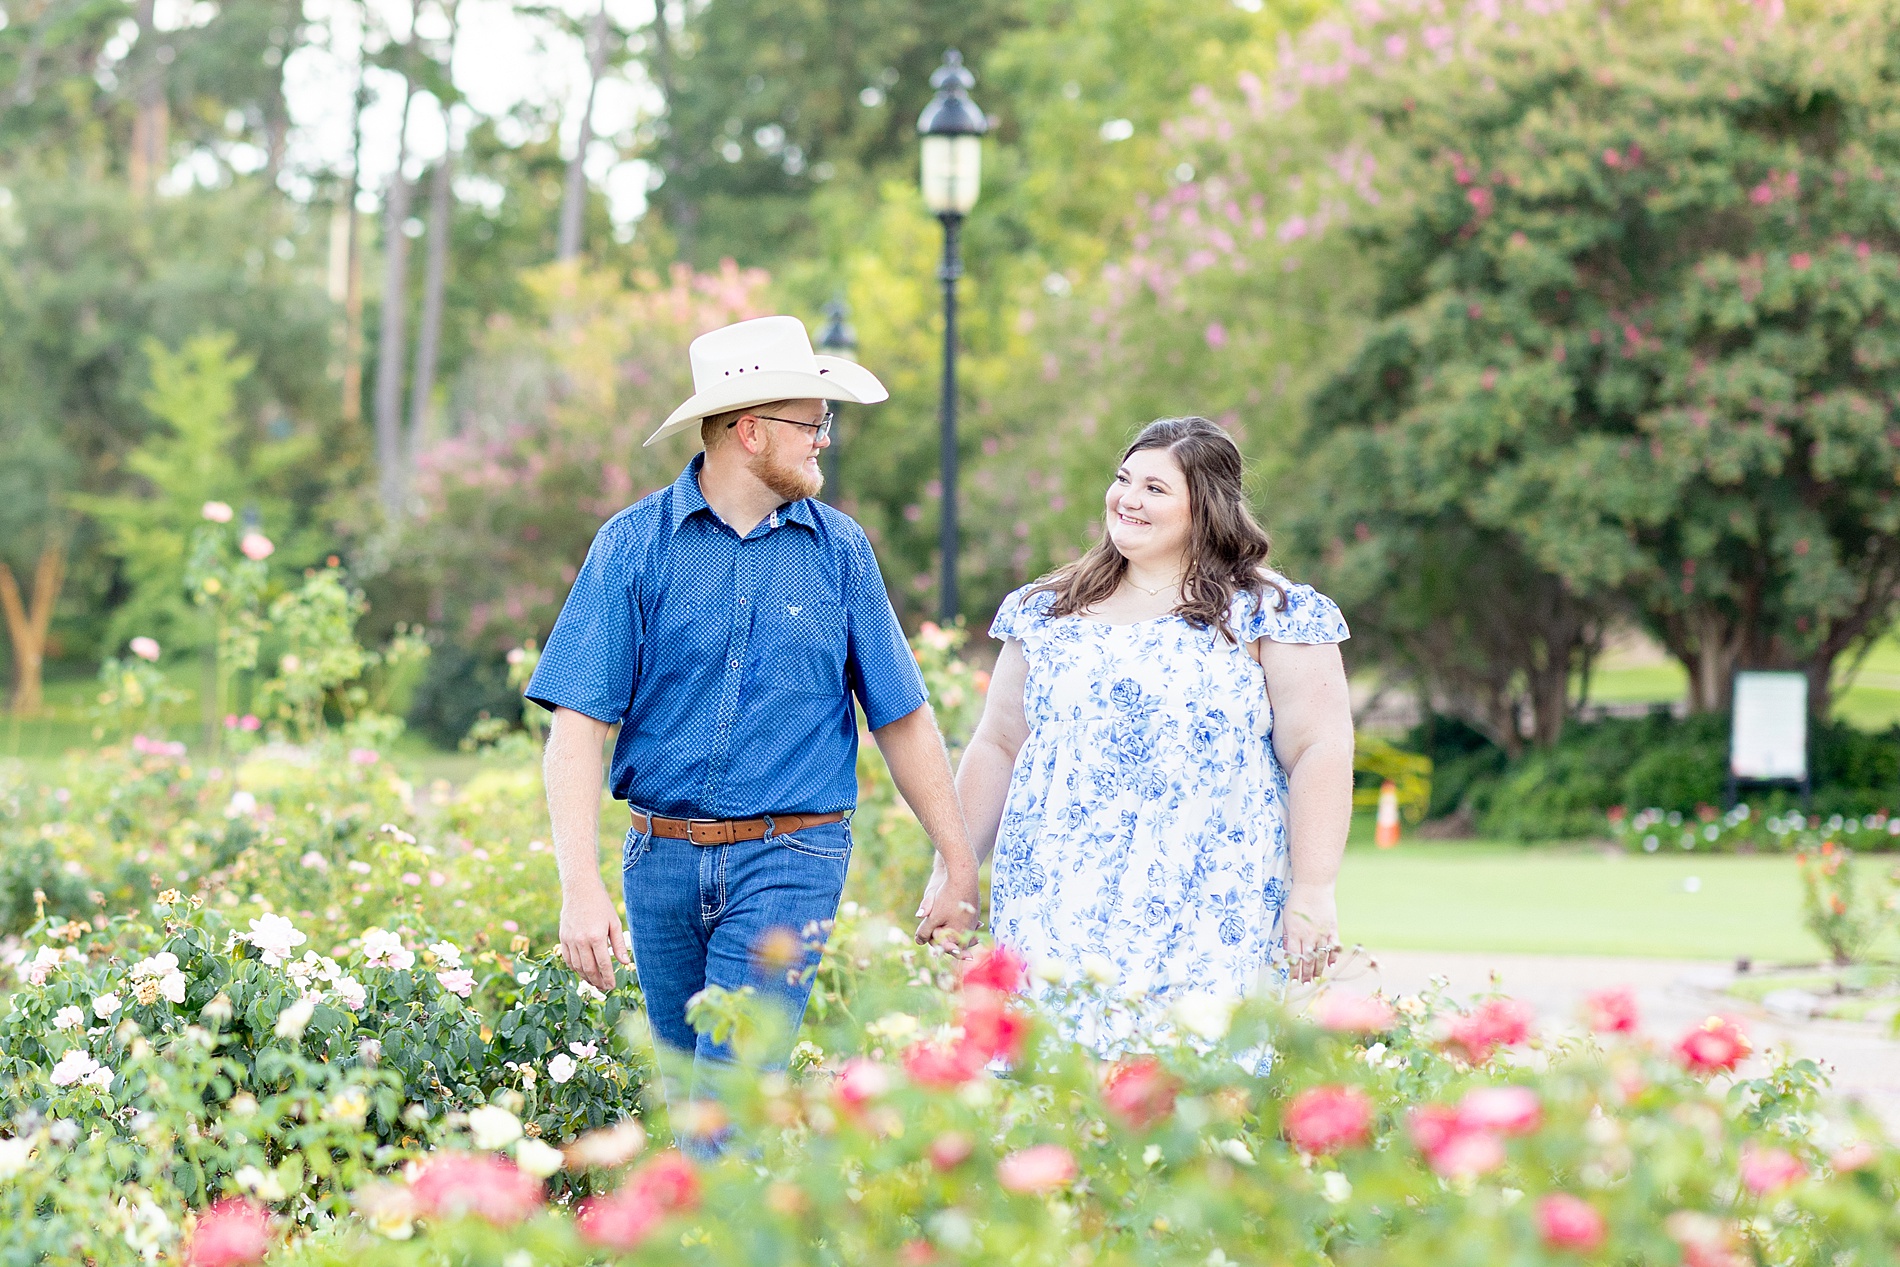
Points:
[1567,1222]
[1327,1119]
[1611,1011]
[493,1188]
[670,1180]
[1040,1168]
[1000,969]
[1715,1046]
[232,1232]
[934,1065]
[993,1028]
[1140,1092]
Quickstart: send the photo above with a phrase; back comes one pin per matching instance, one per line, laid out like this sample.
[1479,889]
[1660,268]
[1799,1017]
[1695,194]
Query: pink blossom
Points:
[1216,335]
[230,1233]
[1354,1014]
[1037,1169]
[1567,1222]
[274,936]
[1493,1023]
[256,546]
[1504,1110]
[861,1081]
[145,648]
[489,1187]
[1716,1046]
[1139,1091]
[1480,200]
[1611,1011]
[457,981]
[364,756]
[1800,261]
[217,512]
[411,878]
[1766,1170]
[1851,1157]
[1327,1119]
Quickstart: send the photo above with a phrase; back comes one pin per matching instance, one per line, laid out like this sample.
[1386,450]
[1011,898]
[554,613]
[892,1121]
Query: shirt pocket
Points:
[800,647]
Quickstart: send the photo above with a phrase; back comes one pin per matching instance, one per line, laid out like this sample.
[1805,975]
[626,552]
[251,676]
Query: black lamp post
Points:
[839,340]
[951,127]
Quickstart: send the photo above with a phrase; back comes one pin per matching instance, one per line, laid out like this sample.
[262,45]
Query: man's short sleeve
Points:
[591,661]
[884,673]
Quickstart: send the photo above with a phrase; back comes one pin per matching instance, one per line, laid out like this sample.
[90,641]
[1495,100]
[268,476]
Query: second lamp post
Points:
[951,126]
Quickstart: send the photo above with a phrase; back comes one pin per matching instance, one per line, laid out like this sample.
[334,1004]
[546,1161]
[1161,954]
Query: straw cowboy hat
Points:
[759,361]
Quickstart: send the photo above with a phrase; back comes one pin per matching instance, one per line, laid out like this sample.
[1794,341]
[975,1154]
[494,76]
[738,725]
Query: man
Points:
[724,624]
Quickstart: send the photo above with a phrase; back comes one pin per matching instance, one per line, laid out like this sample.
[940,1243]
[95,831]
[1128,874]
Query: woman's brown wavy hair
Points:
[1227,548]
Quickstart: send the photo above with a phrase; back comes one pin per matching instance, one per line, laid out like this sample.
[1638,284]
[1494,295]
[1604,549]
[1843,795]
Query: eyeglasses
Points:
[821,429]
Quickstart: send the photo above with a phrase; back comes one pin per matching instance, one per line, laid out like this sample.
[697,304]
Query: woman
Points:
[1164,764]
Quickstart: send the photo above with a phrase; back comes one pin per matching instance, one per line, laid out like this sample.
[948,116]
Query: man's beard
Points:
[793,483]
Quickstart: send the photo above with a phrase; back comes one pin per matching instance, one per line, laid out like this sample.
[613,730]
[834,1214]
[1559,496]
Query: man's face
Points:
[788,464]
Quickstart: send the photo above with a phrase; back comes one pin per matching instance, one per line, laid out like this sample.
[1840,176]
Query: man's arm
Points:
[913,749]
[592,938]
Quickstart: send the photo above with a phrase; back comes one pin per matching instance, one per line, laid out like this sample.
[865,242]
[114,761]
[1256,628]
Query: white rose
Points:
[1205,1015]
[69,1018]
[537,1158]
[15,1153]
[172,986]
[1335,1187]
[493,1127]
[562,1067]
[105,1005]
[293,1020]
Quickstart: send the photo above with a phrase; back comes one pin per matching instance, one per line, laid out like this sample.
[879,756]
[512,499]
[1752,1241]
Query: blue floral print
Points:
[1146,819]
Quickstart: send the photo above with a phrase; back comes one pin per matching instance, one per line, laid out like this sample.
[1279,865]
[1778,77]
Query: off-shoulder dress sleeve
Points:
[1306,616]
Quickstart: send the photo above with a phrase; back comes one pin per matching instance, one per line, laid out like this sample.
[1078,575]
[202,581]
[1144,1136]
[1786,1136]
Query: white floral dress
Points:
[1146,820]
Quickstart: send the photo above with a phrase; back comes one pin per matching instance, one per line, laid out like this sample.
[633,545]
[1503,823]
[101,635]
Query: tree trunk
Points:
[434,281]
[682,216]
[574,197]
[28,82]
[393,340]
[151,124]
[353,269]
[27,626]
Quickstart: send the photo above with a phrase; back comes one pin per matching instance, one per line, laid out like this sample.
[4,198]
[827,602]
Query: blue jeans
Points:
[750,913]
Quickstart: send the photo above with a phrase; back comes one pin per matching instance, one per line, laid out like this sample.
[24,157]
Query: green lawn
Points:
[1871,700]
[1475,895]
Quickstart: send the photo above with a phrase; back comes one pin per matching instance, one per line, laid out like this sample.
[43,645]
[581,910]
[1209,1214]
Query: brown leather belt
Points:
[724,831]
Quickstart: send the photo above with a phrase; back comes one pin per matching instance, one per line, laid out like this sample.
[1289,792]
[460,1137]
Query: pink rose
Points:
[230,1233]
[1039,1168]
[256,546]
[950,1150]
[458,981]
[1611,1011]
[1766,1170]
[1503,1110]
[217,512]
[998,969]
[1451,1145]
[490,1187]
[860,1082]
[1139,1091]
[1492,1024]
[1327,1119]
[993,1029]
[935,1065]
[1567,1222]
[1716,1046]
[1355,1014]
[145,648]
[1851,1157]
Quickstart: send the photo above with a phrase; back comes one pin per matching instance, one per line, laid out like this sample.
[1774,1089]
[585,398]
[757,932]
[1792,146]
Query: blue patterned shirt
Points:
[730,664]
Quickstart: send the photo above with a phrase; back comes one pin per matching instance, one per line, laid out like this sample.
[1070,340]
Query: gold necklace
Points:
[1157,590]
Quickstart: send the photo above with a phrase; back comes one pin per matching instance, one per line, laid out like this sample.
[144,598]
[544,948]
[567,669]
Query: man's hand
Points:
[950,903]
[1311,921]
[592,939]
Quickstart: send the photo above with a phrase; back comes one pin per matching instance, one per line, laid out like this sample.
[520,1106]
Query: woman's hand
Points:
[938,874]
[1311,921]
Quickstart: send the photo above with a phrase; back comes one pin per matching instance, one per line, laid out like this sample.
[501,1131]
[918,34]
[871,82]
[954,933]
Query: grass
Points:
[1870,700]
[1495,896]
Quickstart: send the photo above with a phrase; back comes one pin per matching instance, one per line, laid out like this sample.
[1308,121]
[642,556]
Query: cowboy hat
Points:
[762,360]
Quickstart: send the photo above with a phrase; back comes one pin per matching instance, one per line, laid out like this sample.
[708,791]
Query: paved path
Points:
[1675,994]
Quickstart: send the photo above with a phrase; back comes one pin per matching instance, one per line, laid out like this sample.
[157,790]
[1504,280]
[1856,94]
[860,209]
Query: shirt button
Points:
[742,602]
[734,663]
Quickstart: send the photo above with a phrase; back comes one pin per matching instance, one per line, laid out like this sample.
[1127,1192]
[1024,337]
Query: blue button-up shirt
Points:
[730,663]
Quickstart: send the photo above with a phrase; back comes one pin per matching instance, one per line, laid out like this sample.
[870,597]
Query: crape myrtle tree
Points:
[1633,353]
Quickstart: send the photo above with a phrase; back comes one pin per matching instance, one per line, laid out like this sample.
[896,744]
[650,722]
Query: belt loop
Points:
[771,826]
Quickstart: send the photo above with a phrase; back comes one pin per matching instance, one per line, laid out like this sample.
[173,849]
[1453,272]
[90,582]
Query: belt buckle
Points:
[693,823]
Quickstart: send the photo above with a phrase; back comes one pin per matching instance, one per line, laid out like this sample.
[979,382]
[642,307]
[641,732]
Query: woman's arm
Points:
[1312,736]
[984,772]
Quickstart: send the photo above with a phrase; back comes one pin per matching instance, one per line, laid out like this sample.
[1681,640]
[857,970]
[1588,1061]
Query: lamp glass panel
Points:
[952,173]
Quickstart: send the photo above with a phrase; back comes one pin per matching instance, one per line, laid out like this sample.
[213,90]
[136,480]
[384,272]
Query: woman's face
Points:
[1148,518]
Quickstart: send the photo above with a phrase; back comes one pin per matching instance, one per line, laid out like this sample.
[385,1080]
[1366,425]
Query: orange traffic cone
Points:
[1386,833]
